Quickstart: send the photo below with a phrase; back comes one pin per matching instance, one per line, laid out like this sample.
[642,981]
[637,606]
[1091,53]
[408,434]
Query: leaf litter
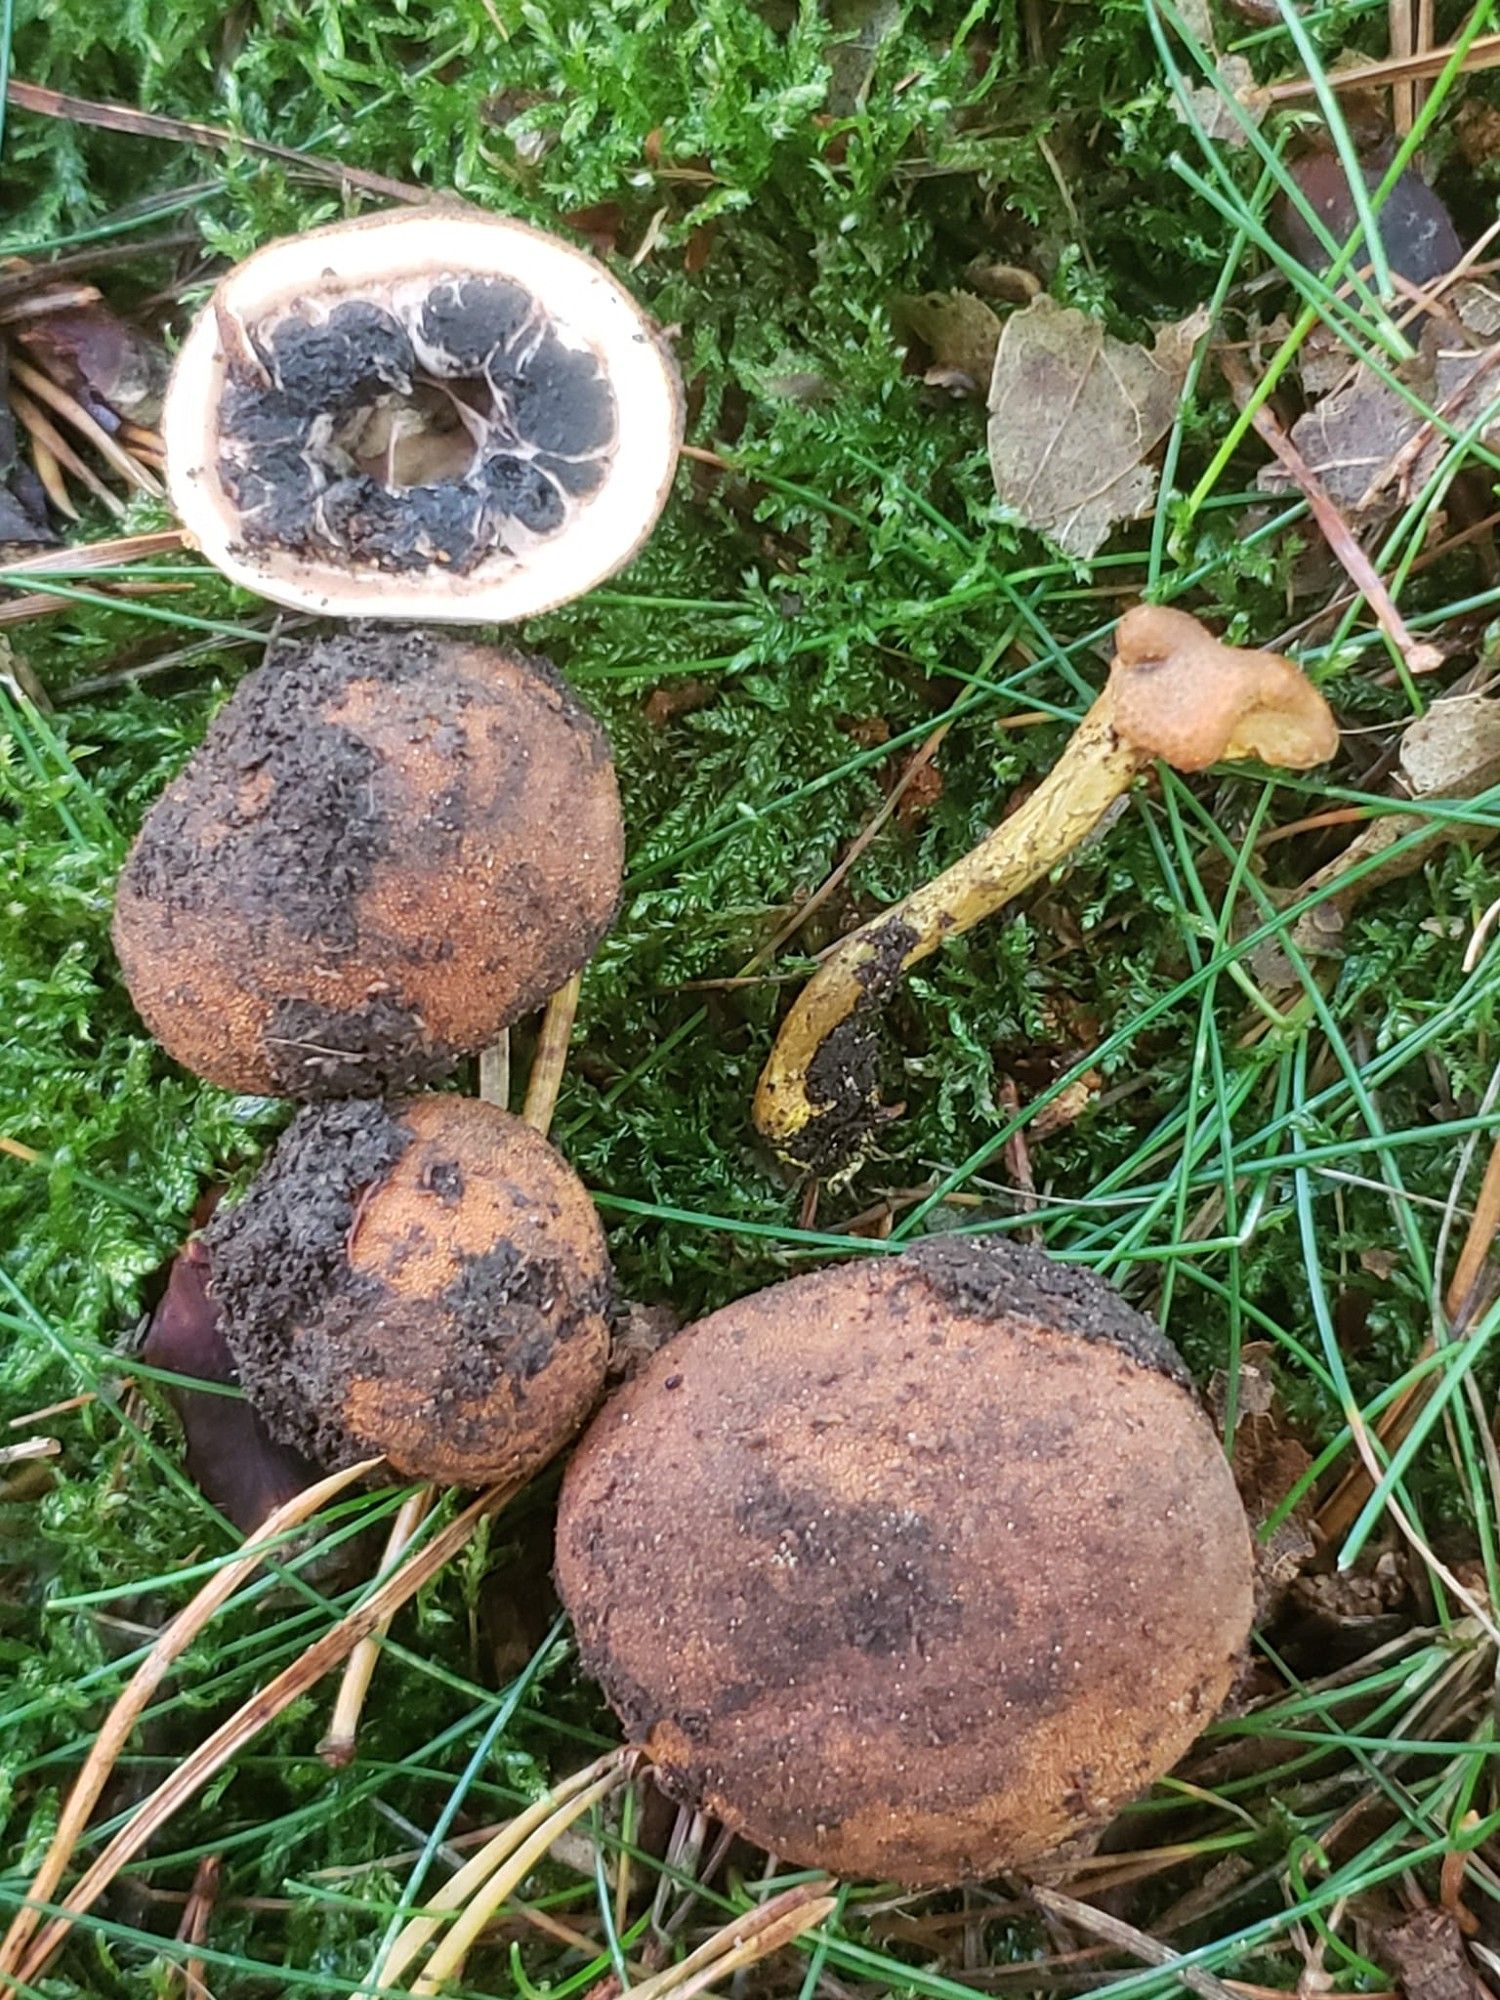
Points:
[1075,414]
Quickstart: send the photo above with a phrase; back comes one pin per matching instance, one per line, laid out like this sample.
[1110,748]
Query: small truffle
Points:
[427,1279]
[386,848]
[912,1568]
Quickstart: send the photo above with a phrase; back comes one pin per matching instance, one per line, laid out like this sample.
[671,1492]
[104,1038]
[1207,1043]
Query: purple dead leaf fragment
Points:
[112,369]
[1416,229]
[231,1457]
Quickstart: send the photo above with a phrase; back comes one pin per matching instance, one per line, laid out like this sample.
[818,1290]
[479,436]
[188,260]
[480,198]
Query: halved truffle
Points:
[912,1568]
[386,848]
[429,414]
[427,1279]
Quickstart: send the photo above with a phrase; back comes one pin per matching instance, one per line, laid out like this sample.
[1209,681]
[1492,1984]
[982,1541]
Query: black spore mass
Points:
[308,441]
[464,320]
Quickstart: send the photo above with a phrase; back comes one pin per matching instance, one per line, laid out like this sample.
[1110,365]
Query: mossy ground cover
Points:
[834,584]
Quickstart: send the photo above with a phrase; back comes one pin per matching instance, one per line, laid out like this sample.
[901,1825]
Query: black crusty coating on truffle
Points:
[286,446]
[296,1315]
[365,1051]
[307,850]
[991,1278]
[278,1258]
[504,1303]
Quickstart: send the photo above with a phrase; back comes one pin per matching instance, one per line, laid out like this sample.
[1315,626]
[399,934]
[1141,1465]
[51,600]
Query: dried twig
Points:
[45,433]
[193,1928]
[1482,53]
[108,554]
[1099,1924]
[151,125]
[1420,658]
[110,449]
[742,1941]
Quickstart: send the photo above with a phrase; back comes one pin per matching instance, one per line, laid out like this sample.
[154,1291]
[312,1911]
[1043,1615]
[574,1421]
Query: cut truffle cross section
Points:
[458,426]
[433,414]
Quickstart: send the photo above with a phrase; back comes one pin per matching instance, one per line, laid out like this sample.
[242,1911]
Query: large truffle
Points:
[434,414]
[427,1279]
[910,1569]
[386,848]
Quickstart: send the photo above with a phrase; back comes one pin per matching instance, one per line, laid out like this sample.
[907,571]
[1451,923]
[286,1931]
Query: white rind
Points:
[377,255]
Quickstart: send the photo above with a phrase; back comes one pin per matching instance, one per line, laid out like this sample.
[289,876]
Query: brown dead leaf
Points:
[1430,1958]
[1074,413]
[1366,442]
[1478,128]
[1068,1106]
[1210,108]
[1268,1460]
[922,793]
[110,366]
[858,30]
[665,704]
[1347,440]
[960,332]
[1381,1264]
[1010,284]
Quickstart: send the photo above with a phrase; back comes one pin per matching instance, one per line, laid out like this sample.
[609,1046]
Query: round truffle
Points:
[427,1279]
[386,848]
[910,1569]
[428,414]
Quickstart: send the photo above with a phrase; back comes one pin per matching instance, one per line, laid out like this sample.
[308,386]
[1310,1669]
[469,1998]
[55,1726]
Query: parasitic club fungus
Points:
[1174,692]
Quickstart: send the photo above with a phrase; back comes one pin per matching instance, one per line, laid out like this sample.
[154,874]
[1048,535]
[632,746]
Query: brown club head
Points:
[914,1568]
[1180,694]
[428,414]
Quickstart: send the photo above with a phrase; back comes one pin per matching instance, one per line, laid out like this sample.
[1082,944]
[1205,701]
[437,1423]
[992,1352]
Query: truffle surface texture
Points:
[386,848]
[427,1279]
[914,1568]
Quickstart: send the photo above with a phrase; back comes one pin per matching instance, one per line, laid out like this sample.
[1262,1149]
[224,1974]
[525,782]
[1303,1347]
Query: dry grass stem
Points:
[338,1746]
[133,1700]
[251,1717]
